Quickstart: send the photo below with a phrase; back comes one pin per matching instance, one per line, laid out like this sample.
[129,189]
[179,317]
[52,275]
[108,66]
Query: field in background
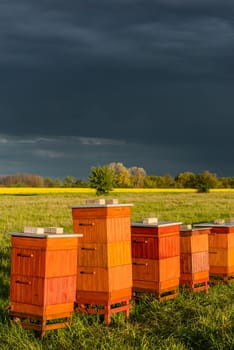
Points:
[90,191]
[189,322]
[52,209]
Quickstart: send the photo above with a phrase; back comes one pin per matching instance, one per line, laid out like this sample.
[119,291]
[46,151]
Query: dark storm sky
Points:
[89,82]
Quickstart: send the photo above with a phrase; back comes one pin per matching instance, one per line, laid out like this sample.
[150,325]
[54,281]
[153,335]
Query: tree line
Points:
[116,175]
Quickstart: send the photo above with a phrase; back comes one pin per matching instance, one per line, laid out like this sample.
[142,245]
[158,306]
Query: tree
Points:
[58,182]
[102,179]
[169,182]
[205,181]
[137,176]
[152,181]
[49,182]
[186,180]
[24,179]
[121,175]
[226,182]
[81,183]
[69,181]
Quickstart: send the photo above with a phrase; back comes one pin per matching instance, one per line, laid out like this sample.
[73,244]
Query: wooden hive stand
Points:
[104,268]
[105,305]
[43,280]
[155,259]
[194,258]
[41,324]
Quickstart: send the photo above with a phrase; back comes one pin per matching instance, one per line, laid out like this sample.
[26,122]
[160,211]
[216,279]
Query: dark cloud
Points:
[154,77]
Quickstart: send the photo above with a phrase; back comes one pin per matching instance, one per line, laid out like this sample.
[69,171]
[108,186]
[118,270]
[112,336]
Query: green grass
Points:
[191,321]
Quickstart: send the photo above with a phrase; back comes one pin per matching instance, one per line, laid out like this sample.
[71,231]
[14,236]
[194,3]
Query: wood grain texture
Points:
[194,262]
[43,279]
[156,270]
[194,241]
[104,255]
[104,279]
[151,247]
[104,264]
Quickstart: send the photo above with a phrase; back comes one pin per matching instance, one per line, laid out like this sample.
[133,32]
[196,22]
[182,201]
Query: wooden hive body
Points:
[194,258]
[104,267]
[154,243]
[156,258]
[43,278]
[221,251]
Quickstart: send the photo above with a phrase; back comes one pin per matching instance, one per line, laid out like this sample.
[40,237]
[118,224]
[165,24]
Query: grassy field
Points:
[191,321]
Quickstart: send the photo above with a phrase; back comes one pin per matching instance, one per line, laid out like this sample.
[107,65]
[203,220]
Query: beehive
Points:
[156,258]
[104,268]
[194,258]
[43,279]
[221,251]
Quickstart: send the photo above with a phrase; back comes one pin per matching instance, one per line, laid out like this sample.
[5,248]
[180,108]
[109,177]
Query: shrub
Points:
[102,179]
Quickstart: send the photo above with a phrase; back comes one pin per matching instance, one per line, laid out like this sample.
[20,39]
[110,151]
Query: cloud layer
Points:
[153,77]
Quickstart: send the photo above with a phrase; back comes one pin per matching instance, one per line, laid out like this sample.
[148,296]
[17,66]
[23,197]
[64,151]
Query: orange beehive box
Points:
[156,270]
[194,262]
[221,250]
[157,276]
[194,258]
[44,256]
[194,240]
[156,257]
[221,240]
[43,278]
[104,255]
[104,266]
[99,279]
[155,241]
[103,223]
[222,261]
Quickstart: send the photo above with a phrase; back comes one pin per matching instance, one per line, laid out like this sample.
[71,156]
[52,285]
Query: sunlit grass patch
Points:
[191,321]
[222,190]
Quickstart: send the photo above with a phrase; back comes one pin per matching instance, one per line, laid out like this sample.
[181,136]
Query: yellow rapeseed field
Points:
[74,190]
[43,190]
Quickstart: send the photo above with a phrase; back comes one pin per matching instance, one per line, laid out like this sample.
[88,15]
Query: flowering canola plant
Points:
[91,191]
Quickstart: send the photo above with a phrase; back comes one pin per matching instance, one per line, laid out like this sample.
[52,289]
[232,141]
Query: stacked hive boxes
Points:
[194,257]
[43,278]
[221,250]
[104,269]
[156,257]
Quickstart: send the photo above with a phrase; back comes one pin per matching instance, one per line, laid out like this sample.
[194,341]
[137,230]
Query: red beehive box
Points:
[43,278]
[155,241]
[194,258]
[221,251]
[104,266]
[156,257]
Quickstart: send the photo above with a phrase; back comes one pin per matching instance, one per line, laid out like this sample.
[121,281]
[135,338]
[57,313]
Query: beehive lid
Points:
[97,205]
[158,224]
[189,230]
[212,224]
[45,235]
[96,201]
